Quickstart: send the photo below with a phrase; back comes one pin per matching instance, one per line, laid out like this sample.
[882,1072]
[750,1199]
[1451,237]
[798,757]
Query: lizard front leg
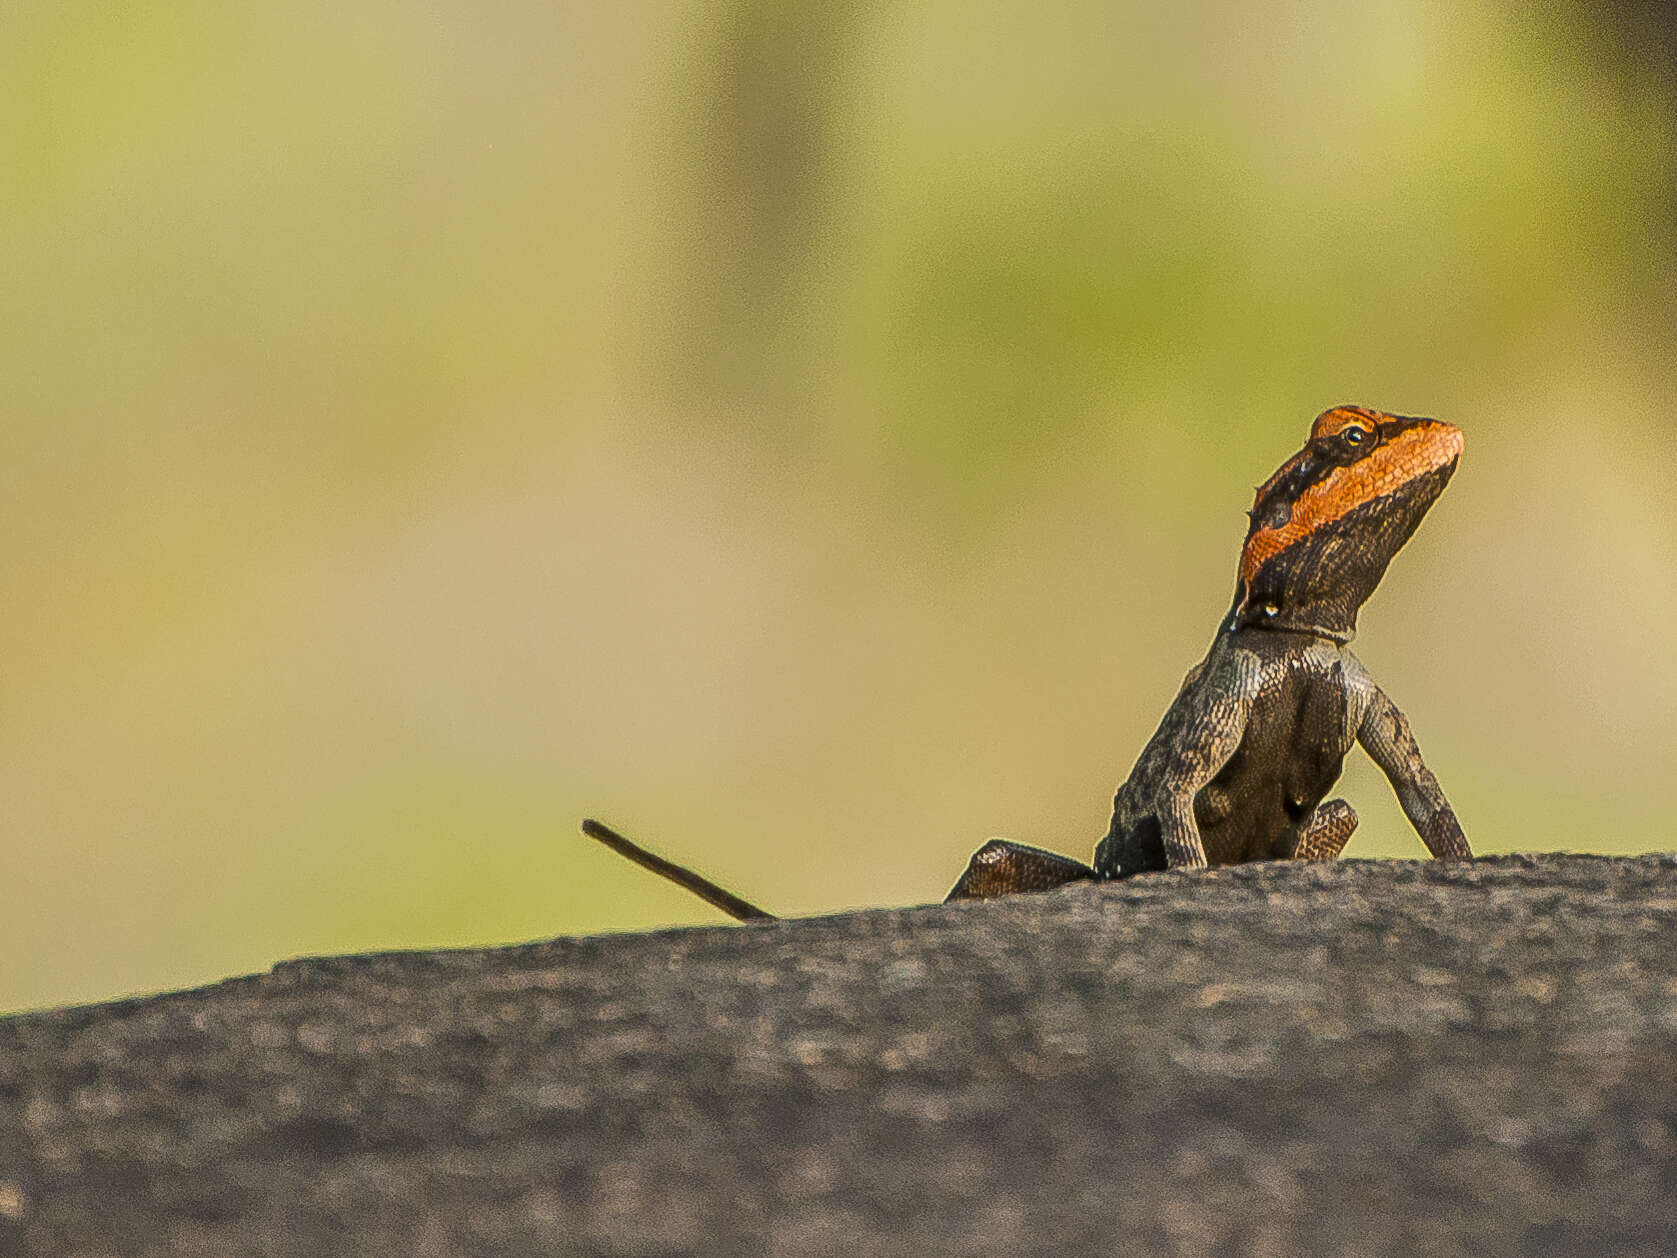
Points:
[1205,747]
[1386,736]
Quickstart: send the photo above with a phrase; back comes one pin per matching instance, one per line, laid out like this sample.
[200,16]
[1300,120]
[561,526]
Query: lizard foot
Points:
[1329,830]
[1001,867]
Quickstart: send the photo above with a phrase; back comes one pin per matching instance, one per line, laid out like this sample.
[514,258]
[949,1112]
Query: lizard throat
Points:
[1257,620]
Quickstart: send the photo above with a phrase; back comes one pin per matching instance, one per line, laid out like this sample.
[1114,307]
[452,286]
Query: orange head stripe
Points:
[1327,424]
[1413,452]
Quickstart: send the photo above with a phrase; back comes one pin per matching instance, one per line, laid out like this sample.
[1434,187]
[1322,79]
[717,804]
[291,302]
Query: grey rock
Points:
[1277,1059]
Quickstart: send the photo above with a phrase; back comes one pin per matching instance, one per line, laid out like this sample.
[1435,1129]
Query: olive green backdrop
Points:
[812,436]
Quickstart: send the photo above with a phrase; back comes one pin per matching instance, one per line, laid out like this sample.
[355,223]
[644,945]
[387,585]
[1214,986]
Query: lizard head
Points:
[1324,527]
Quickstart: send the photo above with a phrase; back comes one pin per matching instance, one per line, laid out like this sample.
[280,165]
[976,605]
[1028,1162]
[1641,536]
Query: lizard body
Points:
[1240,765]
[1244,757]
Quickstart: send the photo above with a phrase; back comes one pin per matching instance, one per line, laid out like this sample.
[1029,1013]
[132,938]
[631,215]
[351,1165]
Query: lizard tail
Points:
[698,884]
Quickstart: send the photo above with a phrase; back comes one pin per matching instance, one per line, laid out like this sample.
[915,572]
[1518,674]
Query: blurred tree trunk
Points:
[757,198]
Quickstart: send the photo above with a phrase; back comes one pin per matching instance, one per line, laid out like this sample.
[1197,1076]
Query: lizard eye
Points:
[1354,436]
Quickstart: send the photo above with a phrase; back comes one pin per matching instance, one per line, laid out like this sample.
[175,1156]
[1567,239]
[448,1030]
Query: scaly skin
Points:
[1243,758]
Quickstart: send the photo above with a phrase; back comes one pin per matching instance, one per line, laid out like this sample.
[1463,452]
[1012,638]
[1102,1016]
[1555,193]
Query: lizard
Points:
[1244,757]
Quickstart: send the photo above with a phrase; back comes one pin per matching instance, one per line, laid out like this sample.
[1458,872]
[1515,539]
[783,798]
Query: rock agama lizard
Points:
[1239,767]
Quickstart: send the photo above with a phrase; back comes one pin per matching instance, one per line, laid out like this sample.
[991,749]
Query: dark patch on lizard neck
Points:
[1281,626]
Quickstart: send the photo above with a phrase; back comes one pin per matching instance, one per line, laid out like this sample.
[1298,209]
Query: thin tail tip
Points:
[708,891]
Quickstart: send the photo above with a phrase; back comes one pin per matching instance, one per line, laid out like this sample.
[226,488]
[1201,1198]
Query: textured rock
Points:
[1369,1057]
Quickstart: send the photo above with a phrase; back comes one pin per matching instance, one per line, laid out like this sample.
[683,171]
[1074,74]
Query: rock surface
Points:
[1368,1057]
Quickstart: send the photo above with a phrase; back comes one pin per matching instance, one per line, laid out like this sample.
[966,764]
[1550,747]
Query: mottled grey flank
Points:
[1272,1059]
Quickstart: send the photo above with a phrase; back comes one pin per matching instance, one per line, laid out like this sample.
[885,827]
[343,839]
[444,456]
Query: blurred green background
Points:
[812,436]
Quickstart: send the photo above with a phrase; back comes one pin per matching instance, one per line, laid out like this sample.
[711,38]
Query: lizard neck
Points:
[1282,624]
